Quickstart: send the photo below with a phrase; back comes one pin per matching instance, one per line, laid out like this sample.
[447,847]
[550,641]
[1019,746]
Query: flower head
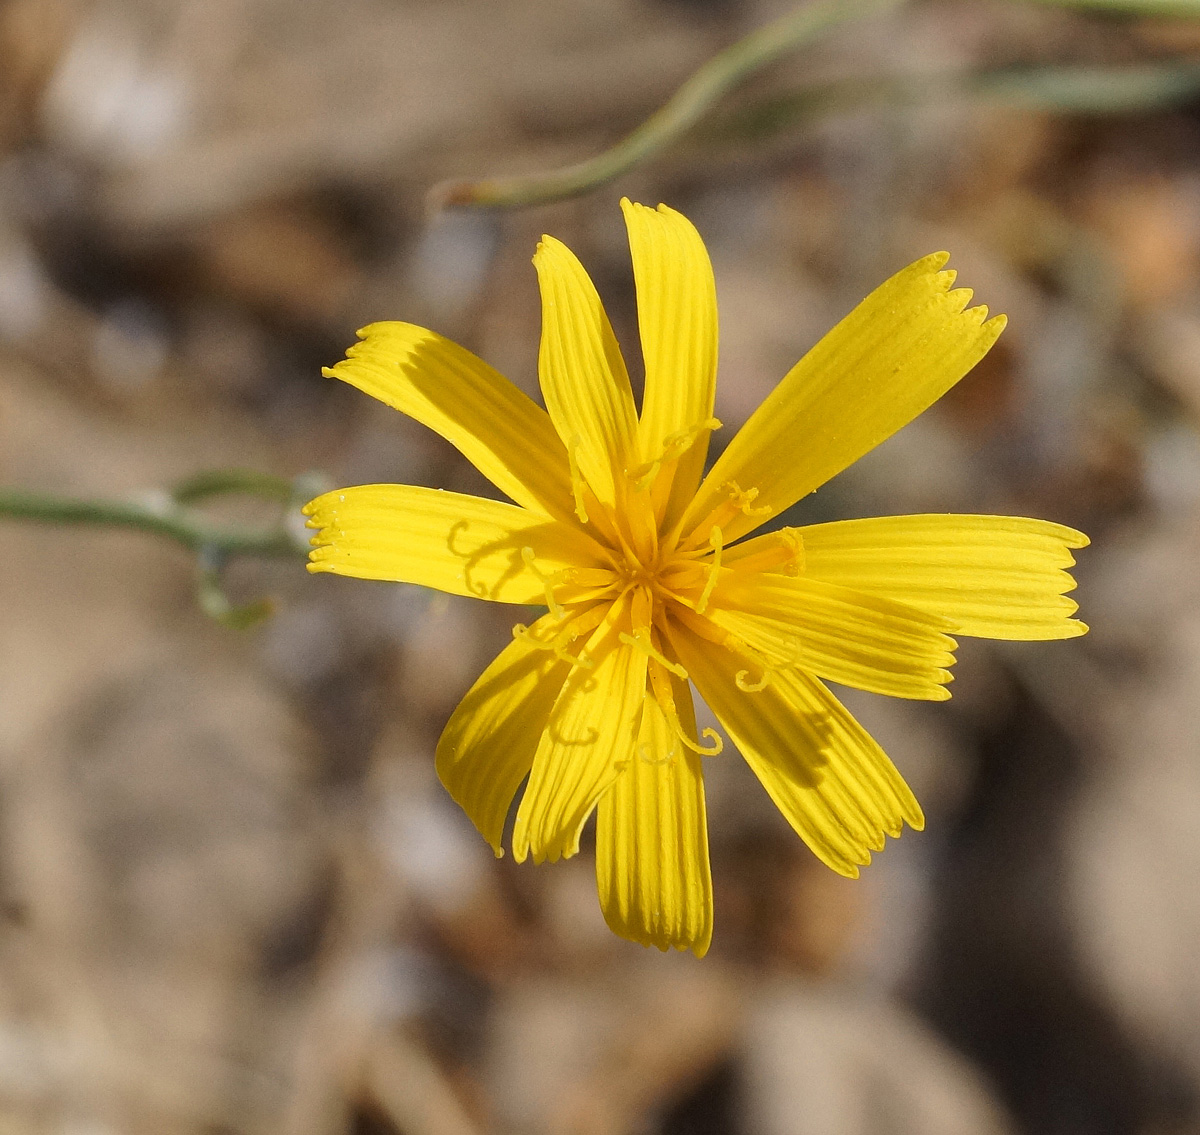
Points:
[650,587]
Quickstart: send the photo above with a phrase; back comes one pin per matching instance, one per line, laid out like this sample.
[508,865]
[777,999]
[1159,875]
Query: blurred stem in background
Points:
[1178,9]
[1082,89]
[175,515]
[716,78]
[1065,90]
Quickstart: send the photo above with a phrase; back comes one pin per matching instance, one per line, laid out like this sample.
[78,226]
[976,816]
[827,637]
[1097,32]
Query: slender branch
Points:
[1069,89]
[712,81]
[1178,9]
[160,515]
[1091,90]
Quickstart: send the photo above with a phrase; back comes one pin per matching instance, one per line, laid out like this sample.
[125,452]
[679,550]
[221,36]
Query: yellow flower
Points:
[640,560]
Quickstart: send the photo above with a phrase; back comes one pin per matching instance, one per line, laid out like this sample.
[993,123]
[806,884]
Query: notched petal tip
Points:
[317,503]
[535,845]
[633,208]
[698,946]
[989,329]
[550,855]
[695,938]
[851,866]
[958,299]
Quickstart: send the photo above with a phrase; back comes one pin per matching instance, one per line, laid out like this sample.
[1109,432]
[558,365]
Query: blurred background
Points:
[233,897]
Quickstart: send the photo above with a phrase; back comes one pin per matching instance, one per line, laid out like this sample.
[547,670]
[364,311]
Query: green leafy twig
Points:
[159,515]
[174,515]
[712,81]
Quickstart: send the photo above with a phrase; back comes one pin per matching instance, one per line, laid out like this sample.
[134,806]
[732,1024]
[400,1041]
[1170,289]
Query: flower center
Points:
[662,575]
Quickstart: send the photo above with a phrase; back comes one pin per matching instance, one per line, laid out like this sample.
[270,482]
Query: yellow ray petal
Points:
[583,376]
[462,544]
[829,778]
[893,356]
[991,576]
[591,734]
[846,636]
[501,431]
[677,319]
[487,747]
[652,867]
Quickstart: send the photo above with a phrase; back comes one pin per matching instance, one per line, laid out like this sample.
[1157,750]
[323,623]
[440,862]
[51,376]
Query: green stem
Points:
[1173,9]
[163,517]
[712,81]
[225,482]
[1067,89]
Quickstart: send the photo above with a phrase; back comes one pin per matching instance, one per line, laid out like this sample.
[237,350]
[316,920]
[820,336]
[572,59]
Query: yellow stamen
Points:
[739,500]
[556,645]
[638,641]
[674,446]
[549,582]
[581,624]
[717,542]
[795,544]
[742,679]
[643,475]
[661,685]
[716,747]
[744,498]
